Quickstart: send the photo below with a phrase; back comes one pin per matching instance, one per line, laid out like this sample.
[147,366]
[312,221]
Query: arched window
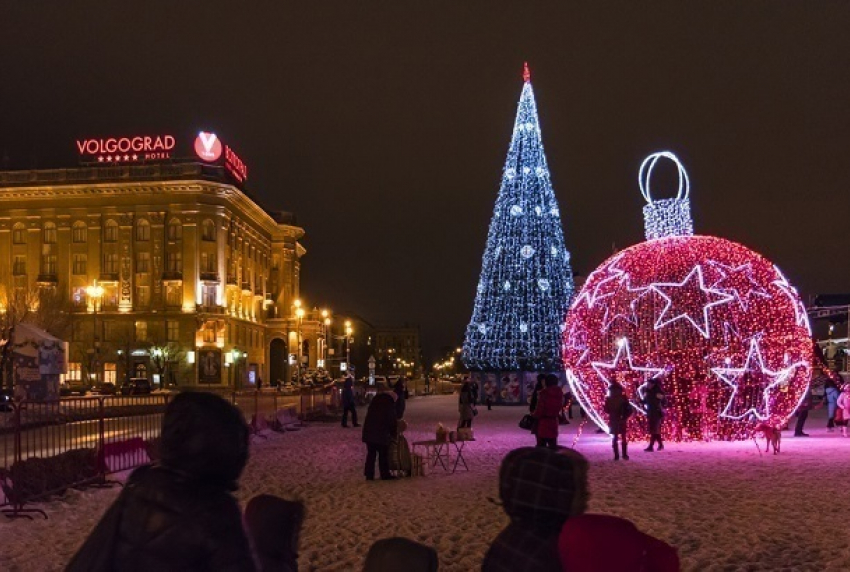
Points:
[19,234]
[175,230]
[49,233]
[110,231]
[143,230]
[208,232]
[80,232]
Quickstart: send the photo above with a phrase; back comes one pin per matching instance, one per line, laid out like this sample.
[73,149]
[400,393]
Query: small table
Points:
[440,452]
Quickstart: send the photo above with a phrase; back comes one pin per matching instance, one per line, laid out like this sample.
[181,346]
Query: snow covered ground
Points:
[722,504]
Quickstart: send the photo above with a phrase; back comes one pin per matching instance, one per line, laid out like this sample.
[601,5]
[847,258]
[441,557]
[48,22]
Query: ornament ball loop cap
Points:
[665,217]
[645,175]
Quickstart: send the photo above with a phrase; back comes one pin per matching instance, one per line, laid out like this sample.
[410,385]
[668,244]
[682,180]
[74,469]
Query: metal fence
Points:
[50,446]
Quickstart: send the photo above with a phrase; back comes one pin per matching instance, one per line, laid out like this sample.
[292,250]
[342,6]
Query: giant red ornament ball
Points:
[718,322]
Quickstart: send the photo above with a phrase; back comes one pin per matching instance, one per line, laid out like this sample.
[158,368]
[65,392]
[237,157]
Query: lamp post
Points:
[326,321]
[348,332]
[299,313]
[95,292]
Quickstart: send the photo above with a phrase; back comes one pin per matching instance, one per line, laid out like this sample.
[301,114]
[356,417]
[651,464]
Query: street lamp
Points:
[348,332]
[95,292]
[299,313]
[327,324]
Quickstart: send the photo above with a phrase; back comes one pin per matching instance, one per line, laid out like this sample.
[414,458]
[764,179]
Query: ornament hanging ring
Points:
[645,174]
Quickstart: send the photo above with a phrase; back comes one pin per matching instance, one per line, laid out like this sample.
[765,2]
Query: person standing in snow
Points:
[348,402]
[830,395]
[655,400]
[549,402]
[379,428]
[843,404]
[803,413]
[619,410]
[540,489]
[179,514]
[465,406]
[400,389]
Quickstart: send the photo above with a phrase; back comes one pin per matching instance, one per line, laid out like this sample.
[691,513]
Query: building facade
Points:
[398,351]
[168,271]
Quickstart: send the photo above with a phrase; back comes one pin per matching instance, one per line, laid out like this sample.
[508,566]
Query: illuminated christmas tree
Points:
[526,282]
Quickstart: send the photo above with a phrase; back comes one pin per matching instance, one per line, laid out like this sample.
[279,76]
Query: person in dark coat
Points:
[379,428]
[348,402]
[400,389]
[178,514]
[803,413]
[830,397]
[274,527]
[655,401]
[540,490]
[596,542]
[466,408]
[619,410]
[395,554]
[549,402]
[473,386]
[535,395]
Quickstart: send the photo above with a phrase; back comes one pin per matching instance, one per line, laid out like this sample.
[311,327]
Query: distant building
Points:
[398,351]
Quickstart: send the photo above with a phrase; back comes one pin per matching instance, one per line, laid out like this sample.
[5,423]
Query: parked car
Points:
[106,388]
[136,386]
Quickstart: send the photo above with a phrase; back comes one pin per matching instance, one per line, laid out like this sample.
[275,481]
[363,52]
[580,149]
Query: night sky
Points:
[384,125]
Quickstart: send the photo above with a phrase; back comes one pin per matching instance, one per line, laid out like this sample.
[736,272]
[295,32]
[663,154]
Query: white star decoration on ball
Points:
[679,302]
[748,382]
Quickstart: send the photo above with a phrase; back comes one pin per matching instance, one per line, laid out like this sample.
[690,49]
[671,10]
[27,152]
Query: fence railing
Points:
[50,446]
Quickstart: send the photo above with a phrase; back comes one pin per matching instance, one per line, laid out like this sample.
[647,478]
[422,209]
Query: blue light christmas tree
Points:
[526,281]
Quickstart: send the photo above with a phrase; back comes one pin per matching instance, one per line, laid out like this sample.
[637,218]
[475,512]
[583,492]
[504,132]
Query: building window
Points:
[79,264]
[172,330]
[174,262]
[110,264]
[208,231]
[49,233]
[110,330]
[143,295]
[174,295]
[143,231]
[208,262]
[141,331]
[80,232]
[143,262]
[209,332]
[75,372]
[19,234]
[109,373]
[175,230]
[110,232]
[19,267]
[48,264]
[209,296]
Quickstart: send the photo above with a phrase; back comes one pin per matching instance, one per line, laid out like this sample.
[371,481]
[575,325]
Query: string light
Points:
[526,281]
[718,322]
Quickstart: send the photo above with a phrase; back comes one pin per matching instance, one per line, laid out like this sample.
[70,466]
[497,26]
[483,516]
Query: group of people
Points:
[180,514]
[837,398]
[384,418]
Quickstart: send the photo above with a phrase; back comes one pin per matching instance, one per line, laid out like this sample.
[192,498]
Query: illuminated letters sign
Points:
[234,165]
[127,149]
[208,146]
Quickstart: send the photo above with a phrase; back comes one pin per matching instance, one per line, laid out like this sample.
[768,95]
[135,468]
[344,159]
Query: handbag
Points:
[528,422]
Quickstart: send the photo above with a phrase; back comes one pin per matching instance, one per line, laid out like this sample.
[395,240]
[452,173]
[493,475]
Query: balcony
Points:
[232,281]
[108,277]
[172,275]
[51,279]
[210,277]
[202,309]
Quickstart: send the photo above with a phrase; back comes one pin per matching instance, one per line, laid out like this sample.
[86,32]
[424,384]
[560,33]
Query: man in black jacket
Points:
[379,428]
[179,514]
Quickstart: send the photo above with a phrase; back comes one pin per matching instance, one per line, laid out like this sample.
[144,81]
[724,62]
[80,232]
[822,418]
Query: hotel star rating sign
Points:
[719,323]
